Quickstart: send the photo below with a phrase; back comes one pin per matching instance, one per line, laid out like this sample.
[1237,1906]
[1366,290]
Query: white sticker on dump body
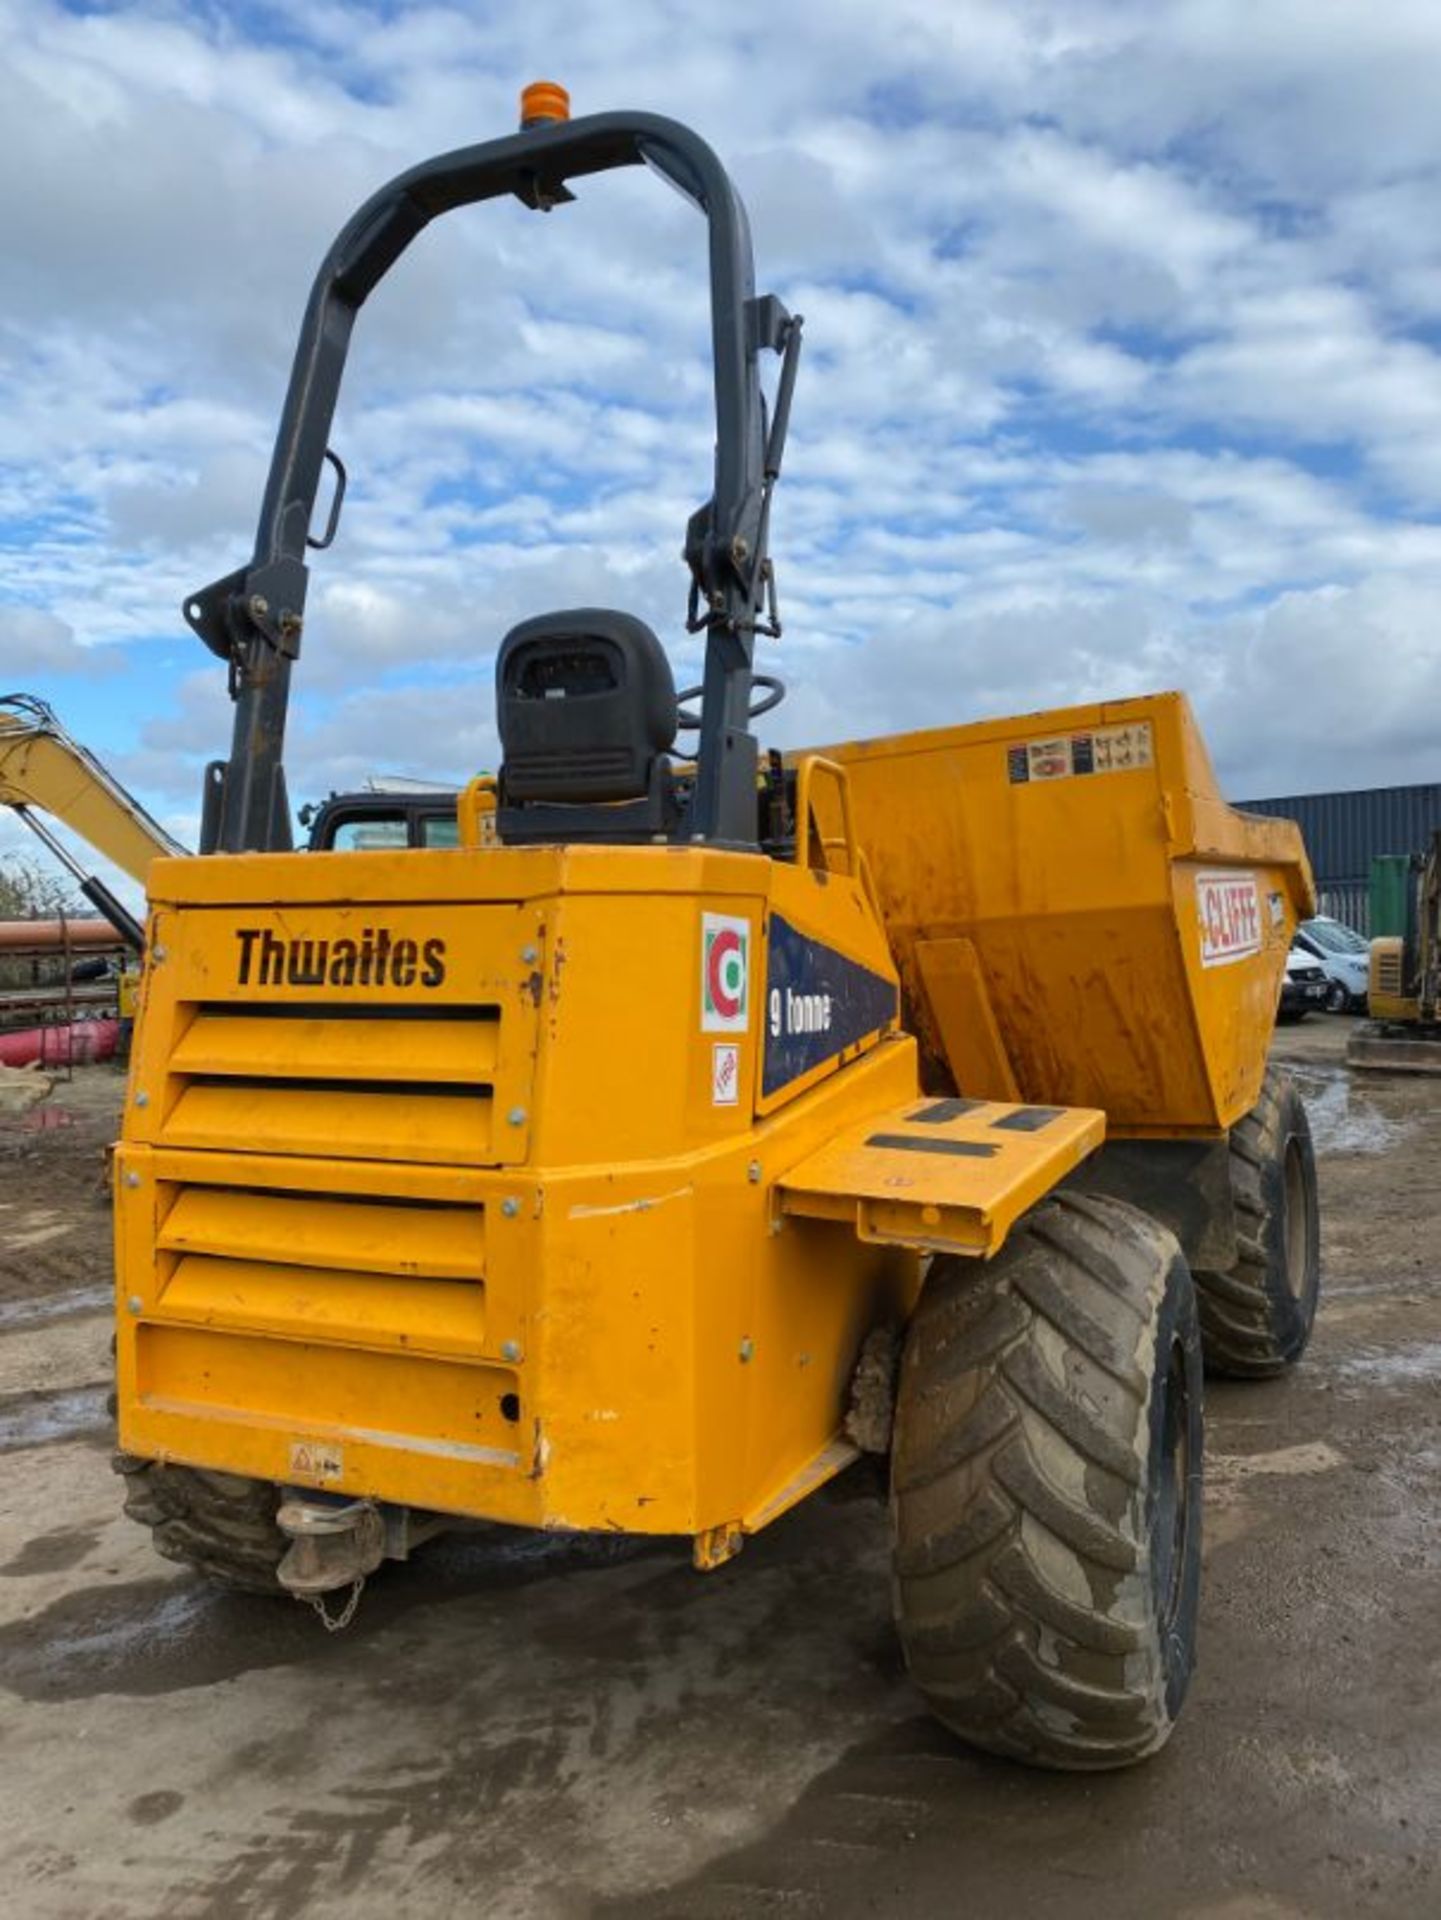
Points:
[1228,907]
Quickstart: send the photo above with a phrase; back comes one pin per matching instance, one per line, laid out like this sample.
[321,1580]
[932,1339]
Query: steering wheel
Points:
[775,692]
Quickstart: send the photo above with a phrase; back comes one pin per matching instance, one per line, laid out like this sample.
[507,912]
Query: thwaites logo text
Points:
[375,959]
[725,972]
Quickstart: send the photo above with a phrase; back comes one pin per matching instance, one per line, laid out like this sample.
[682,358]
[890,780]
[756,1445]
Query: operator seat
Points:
[587,711]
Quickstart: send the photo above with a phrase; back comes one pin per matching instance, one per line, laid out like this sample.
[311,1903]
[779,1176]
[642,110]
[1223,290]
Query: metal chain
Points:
[347,1613]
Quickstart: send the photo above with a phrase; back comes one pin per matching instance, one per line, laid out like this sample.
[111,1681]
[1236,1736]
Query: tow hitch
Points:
[338,1542]
[334,1543]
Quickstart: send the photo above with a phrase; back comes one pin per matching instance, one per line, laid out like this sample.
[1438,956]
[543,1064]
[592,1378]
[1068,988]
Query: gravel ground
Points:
[536,1727]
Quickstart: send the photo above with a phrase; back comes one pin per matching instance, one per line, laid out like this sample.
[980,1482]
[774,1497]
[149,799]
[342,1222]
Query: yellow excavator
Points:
[43,771]
[1403,1034]
[701,1119]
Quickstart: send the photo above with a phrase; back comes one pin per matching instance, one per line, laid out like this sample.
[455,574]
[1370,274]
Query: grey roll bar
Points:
[253,618]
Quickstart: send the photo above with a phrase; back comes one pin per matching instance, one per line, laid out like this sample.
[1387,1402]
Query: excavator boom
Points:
[43,770]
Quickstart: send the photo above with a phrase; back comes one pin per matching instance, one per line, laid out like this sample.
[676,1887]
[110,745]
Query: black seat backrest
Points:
[586,706]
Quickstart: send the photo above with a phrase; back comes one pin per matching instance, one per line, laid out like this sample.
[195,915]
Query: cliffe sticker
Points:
[725,970]
[1228,907]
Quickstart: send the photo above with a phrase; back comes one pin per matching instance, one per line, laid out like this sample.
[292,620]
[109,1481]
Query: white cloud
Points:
[1120,363]
[29,636]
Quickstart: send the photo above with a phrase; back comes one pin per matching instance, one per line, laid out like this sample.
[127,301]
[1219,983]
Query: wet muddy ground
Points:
[519,1726]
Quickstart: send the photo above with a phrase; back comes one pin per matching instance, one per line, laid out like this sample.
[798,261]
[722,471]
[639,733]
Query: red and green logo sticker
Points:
[725,972]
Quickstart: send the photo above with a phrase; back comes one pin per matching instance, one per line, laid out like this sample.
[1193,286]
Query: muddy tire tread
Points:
[1040,1492]
[1246,1330]
[219,1524]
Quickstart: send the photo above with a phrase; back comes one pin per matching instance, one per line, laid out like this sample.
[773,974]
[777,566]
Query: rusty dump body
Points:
[1077,915]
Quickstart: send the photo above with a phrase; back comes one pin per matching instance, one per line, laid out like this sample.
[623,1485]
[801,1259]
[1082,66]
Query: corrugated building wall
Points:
[1343,831]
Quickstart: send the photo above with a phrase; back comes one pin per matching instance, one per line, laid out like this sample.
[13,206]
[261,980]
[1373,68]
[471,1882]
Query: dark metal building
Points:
[1343,831]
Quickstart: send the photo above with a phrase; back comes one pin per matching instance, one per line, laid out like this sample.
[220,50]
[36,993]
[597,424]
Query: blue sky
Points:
[1121,373]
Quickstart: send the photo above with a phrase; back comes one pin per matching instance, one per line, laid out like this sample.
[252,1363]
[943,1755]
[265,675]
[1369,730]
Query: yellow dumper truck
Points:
[701,1119]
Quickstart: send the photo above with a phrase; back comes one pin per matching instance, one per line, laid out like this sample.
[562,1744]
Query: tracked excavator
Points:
[700,1120]
[44,772]
[1403,1033]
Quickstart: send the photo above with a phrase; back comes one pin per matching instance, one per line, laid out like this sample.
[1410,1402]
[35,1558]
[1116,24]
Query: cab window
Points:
[374,834]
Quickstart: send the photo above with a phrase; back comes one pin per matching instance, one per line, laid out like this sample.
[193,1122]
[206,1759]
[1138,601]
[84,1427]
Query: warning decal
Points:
[724,974]
[1048,759]
[1118,749]
[725,1074]
[316,1460]
[1228,907]
[1107,750]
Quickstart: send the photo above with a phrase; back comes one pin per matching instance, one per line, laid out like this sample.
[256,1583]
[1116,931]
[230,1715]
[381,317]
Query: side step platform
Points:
[943,1175]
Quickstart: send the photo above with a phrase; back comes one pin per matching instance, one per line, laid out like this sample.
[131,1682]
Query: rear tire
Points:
[219,1524]
[1257,1319]
[1046,1488]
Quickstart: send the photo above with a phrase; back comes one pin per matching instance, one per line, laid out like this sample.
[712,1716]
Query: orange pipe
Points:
[53,936]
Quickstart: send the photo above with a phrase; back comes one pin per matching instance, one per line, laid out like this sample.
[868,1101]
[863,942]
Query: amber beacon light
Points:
[543,100]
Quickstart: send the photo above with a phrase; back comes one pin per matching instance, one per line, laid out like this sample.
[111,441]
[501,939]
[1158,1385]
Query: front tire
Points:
[1338,999]
[1257,1318]
[1046,1488]
[221,1525]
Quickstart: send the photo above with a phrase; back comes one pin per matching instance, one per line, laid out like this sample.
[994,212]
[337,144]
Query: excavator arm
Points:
[44,771]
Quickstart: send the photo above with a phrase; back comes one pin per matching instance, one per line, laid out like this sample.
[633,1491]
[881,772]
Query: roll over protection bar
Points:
[253,618]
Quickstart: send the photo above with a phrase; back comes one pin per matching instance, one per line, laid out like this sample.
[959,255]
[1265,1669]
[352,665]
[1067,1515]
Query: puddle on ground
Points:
[54,1306]
[1343,1120]
[1230,1511]
[167,1635]
[1316,1456]
[53,1552]
[38,1419]
[1405,1365]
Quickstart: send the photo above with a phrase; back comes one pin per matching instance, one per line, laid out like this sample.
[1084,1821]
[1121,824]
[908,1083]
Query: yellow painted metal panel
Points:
[375,1033]
[960,1003]
[924,1176]
[367,957]
[372,1047]
[442,1404]
[405,1420]
[291,1173]
[356,1125]
[678,1361]
[624,1067]
[340,1306]
[305,1230]
[831,1459]
[452,876]
[1067,847]
[1386,997]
